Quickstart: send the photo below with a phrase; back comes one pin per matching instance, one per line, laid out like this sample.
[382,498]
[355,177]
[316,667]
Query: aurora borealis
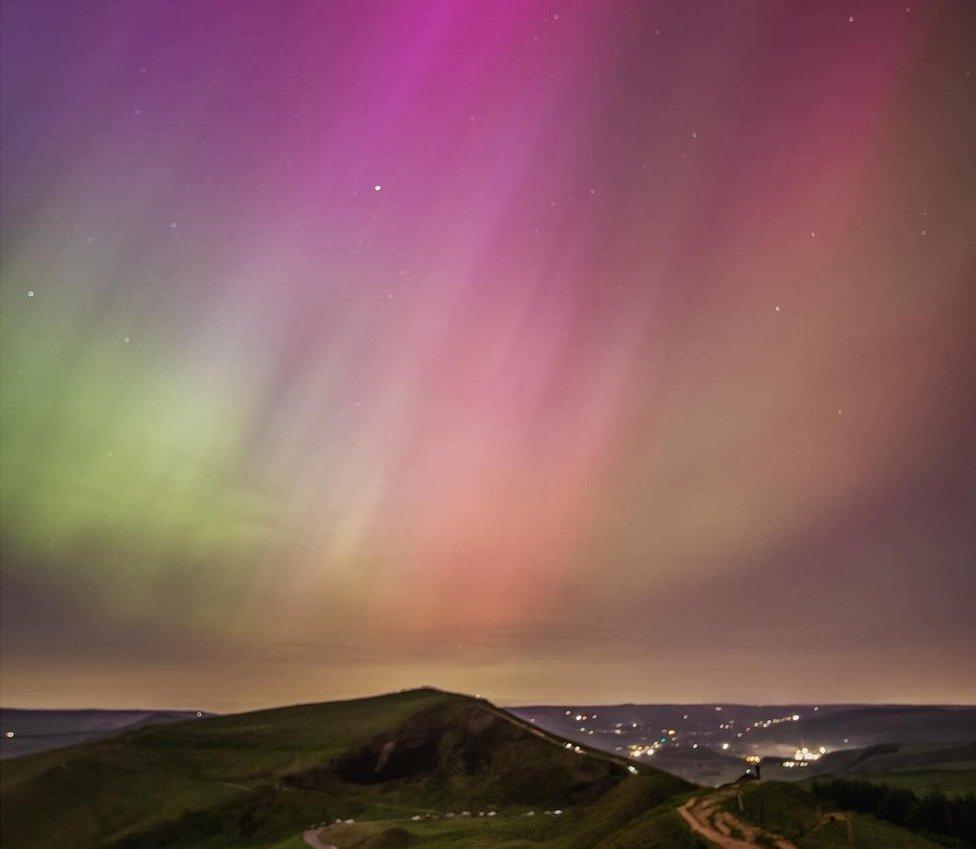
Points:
[554,351]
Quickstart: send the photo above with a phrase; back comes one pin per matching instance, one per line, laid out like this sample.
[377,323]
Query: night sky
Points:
[567,352]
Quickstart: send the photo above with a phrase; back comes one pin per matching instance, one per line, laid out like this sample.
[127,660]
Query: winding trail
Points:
[705,816]
[311,837]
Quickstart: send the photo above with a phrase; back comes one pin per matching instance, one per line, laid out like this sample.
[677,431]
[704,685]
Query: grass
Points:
[659,828]
[787,809]
[102,792]
[258,779]
[952,782]
[791,810]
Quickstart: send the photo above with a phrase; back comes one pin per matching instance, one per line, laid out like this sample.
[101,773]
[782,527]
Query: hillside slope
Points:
[792,812]
[421,768]
[949,767]
[898,757]
[253,779]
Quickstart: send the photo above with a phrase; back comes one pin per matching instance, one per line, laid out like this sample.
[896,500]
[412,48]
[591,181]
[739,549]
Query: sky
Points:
[552,351]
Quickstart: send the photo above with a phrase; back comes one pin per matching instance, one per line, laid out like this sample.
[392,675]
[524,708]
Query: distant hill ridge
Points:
[27,731]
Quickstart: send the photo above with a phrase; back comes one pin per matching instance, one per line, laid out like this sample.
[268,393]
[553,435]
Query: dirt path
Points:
[705,816]
[311,837]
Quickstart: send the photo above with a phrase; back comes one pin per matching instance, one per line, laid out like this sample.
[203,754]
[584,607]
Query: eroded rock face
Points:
[425,744]
[475,753]
[403,756]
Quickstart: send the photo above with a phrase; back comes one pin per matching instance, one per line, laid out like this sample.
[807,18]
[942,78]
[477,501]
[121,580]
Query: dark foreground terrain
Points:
[423,768]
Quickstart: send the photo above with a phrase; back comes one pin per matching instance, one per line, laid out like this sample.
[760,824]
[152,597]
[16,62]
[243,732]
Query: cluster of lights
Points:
[581,717]
[805,754]
[765,723]
[670,736]
[802,757]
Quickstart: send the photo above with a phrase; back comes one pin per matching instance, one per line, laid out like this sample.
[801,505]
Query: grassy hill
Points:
[949,767]
[420,768]
[252,780]
[660,828]
[793,811]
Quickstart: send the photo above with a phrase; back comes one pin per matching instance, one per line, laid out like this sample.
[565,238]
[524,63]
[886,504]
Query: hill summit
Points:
[253,778]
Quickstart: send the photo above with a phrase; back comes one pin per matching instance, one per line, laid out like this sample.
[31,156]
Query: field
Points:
[660,829]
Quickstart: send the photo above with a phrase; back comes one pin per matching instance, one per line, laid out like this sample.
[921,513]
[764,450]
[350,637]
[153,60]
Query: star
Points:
[377,187]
